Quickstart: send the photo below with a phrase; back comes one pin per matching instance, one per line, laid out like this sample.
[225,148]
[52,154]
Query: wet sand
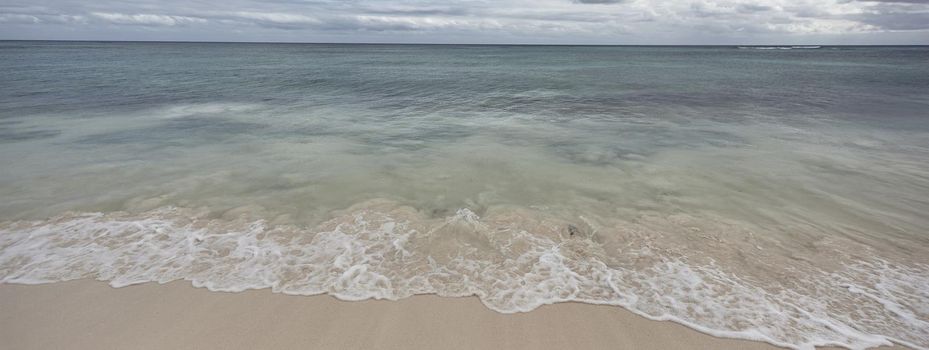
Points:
[92,315]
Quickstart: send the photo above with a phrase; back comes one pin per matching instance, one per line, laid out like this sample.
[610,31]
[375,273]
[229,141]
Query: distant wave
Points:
[795,47]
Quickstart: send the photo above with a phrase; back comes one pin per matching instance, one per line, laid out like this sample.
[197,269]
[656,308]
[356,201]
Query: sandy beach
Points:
[769,195]
[92,315]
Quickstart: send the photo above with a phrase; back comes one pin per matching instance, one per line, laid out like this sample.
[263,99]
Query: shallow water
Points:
[776,195]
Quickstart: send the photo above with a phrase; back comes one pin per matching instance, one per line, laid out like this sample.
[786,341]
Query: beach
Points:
[91,315]
[742,192]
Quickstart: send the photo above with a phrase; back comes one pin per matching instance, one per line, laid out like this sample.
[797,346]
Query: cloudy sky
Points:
[474,21]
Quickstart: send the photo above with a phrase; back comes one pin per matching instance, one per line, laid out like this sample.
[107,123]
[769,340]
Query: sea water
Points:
[774,195]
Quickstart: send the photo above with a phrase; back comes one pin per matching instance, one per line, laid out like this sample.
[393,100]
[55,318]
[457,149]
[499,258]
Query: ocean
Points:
[778,194]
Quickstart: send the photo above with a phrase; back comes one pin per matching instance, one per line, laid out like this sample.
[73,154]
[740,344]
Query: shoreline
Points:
[88,314]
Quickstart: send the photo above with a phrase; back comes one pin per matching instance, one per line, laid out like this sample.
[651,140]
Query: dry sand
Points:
[92,315]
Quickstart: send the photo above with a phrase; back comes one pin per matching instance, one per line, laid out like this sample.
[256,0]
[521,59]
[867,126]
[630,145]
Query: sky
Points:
[694,22]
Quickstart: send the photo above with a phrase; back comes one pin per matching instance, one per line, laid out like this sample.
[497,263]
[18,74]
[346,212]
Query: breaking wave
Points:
[795,47]
[513,259]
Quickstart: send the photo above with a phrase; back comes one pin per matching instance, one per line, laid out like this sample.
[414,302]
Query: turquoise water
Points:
[776,195]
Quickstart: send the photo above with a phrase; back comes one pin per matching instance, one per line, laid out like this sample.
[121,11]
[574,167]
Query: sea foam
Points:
[513,260]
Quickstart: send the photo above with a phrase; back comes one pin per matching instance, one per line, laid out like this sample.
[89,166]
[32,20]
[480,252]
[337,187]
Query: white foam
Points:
[177,111]
[369,254]
[795,47]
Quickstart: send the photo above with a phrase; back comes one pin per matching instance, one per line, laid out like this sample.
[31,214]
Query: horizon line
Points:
[441,44]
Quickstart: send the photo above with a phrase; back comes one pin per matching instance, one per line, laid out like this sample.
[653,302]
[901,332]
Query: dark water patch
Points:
[417,138]
[308,132]
[614,146]
[8,135]
[656,104]
[598,155]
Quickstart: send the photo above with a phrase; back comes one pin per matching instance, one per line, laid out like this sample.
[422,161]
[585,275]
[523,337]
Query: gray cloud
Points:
[599,1]
[895,15]
[899,1]
[890,18]
[897,21]
[752,8]
[525,21]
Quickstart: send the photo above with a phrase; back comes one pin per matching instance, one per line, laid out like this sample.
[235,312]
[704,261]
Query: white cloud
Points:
[146,19]
[273,17]
[18,18]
